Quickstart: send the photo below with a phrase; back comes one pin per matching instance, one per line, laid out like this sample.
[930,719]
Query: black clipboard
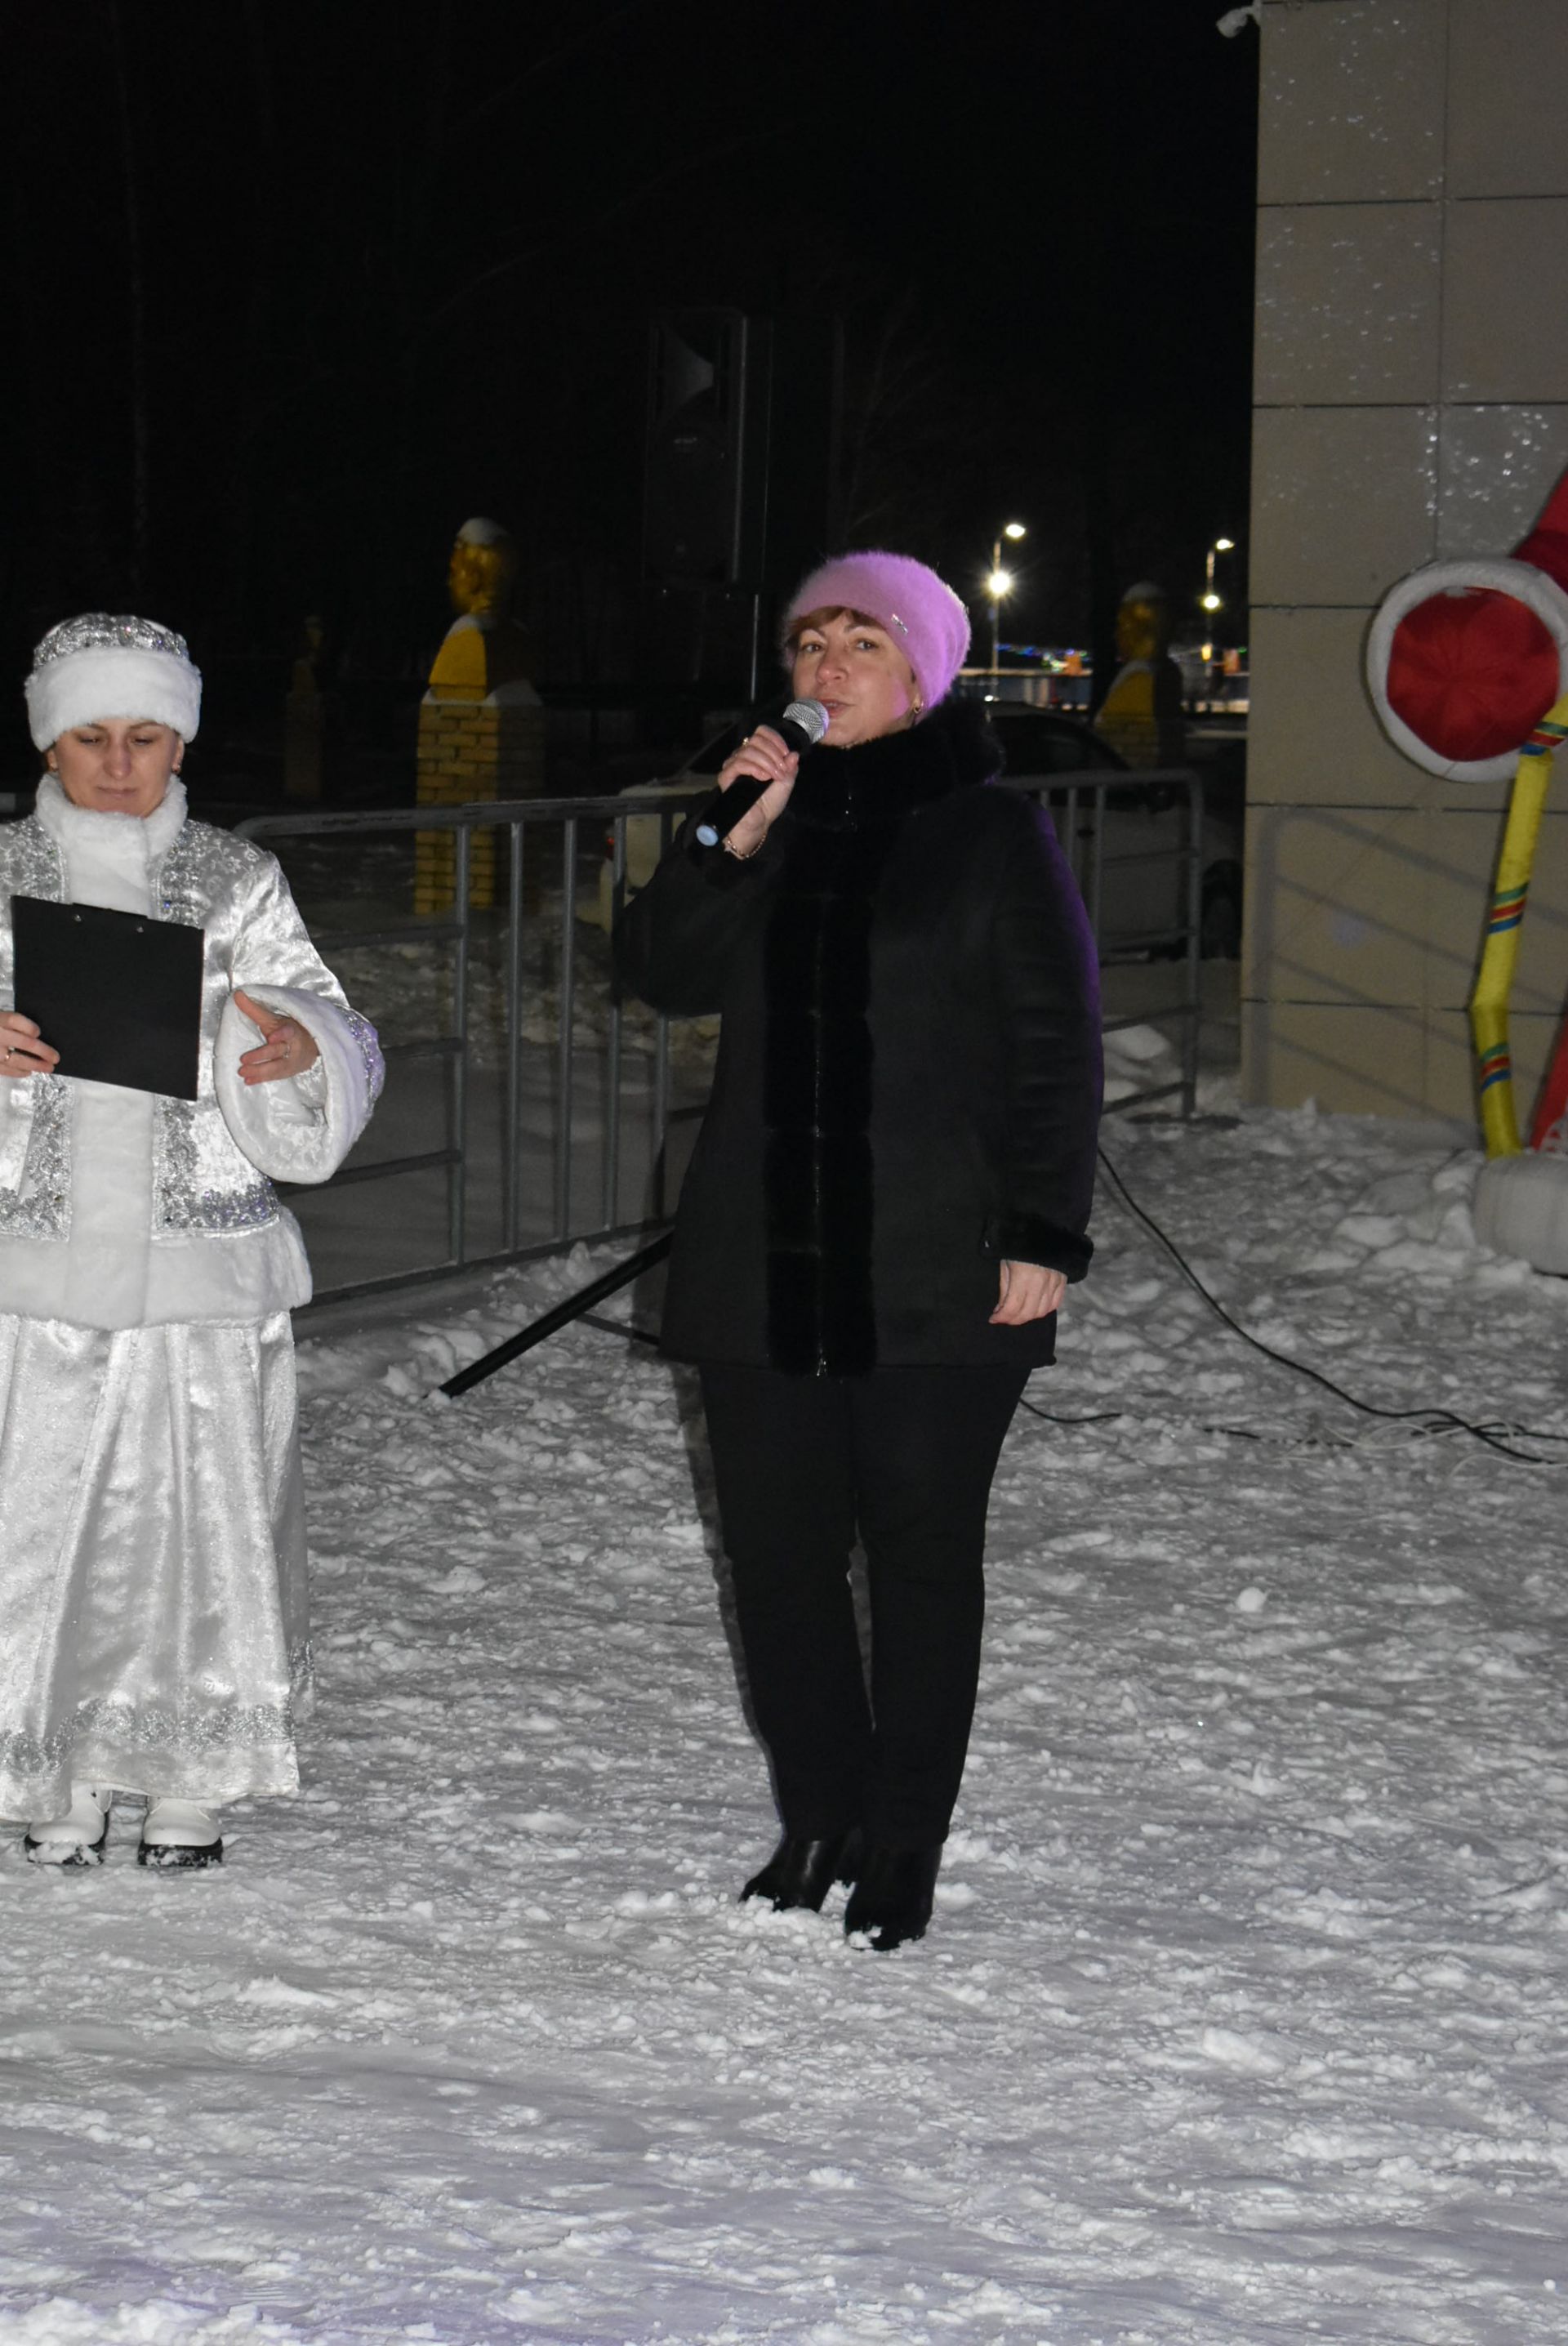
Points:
[118,995]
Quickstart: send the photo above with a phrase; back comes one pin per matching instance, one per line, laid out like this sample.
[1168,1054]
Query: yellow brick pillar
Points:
[491,748]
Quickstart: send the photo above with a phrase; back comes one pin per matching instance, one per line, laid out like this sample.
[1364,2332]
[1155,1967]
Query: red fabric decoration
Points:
[1547,544]
[1549,1132]
[1473,672]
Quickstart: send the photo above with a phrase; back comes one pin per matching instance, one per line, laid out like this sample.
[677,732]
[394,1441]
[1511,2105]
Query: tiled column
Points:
[1411,392]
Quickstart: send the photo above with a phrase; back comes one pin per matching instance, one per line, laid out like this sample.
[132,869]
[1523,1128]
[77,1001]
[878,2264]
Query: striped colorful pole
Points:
[1494,980]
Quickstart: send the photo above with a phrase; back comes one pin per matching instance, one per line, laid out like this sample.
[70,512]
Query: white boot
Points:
[180,1833]
[77,1838]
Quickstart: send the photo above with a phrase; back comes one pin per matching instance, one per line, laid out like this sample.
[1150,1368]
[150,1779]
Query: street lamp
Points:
[999,584]
[1209,599]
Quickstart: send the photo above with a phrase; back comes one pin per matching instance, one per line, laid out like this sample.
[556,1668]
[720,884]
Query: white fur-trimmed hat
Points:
[101,664]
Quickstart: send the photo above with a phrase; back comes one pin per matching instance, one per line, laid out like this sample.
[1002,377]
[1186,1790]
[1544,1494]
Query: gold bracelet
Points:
[742,855]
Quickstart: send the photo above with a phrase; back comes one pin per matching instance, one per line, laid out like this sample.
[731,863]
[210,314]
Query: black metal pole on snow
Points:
[560,1315]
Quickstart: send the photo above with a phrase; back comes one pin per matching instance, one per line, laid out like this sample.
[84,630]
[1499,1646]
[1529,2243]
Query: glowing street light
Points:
[1209,599]
[999,584]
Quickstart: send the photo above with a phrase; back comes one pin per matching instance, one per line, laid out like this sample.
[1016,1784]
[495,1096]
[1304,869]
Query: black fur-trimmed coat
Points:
[908,1085]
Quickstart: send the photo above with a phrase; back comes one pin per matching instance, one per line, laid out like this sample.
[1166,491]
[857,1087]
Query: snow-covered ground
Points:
[1245,2014]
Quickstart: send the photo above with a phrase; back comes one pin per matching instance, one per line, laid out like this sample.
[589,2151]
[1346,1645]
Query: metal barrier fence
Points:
[1112,827]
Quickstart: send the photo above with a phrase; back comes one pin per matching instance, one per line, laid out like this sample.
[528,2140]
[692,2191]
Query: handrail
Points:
[1076,802]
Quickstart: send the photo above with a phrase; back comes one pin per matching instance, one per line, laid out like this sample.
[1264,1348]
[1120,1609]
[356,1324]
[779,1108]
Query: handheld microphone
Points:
[802,726]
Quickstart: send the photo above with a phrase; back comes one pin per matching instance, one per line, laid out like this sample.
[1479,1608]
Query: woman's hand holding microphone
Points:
[764,757]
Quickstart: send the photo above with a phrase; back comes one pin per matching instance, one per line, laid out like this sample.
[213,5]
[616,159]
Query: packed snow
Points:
[1244,2014]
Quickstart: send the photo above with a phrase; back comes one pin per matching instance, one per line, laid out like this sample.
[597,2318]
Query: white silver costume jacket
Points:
[119,1209]
[154,1583]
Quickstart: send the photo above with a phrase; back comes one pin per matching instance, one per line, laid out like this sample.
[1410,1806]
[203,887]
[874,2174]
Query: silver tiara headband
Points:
[107,631]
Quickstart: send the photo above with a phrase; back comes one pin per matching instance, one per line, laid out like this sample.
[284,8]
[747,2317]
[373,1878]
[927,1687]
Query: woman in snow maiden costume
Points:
[153,1635]
[887,1198]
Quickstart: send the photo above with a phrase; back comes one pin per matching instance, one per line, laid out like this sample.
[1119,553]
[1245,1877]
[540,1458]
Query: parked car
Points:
[1141,889]
[1044,741]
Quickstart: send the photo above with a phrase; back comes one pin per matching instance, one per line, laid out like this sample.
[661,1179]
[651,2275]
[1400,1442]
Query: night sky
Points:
[294,288]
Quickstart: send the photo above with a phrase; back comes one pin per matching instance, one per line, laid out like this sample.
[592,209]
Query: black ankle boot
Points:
[801,1873]
[892,1897]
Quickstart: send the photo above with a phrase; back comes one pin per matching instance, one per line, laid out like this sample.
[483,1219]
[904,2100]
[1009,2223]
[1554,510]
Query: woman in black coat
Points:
[887,1198]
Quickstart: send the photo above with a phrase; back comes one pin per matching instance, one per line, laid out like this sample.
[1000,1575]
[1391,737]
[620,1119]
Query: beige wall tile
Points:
[1464,857]
[1347,904]
[1349,303]
[1462,852]
[1505,300]
[1351,101]
[1367,881]
[1508,71]
[1336,906]
[1380,1062]
[1470,798]
[1313,737]
[1496,468]
[1344,501]
[1489,798]
[1354,1061]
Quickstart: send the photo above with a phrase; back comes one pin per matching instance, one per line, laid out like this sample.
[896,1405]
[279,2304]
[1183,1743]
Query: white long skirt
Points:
[153,1580]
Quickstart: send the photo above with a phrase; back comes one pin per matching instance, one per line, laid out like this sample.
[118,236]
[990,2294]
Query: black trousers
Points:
[905,1456]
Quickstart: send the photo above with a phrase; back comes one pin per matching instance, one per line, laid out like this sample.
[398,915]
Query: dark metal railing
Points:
[548,834]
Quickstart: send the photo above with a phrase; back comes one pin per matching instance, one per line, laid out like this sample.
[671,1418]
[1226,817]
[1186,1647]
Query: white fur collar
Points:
[138,838]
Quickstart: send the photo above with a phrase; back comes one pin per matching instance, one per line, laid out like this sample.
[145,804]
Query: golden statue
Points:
[1141,715]
[484,654]
[482,724]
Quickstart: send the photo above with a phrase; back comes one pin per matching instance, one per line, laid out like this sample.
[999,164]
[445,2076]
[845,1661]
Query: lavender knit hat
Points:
[919,610]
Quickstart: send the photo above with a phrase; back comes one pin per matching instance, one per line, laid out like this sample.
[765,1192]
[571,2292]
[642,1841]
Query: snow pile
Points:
[1138,1059]
[1416,1220]
[1242,2018]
